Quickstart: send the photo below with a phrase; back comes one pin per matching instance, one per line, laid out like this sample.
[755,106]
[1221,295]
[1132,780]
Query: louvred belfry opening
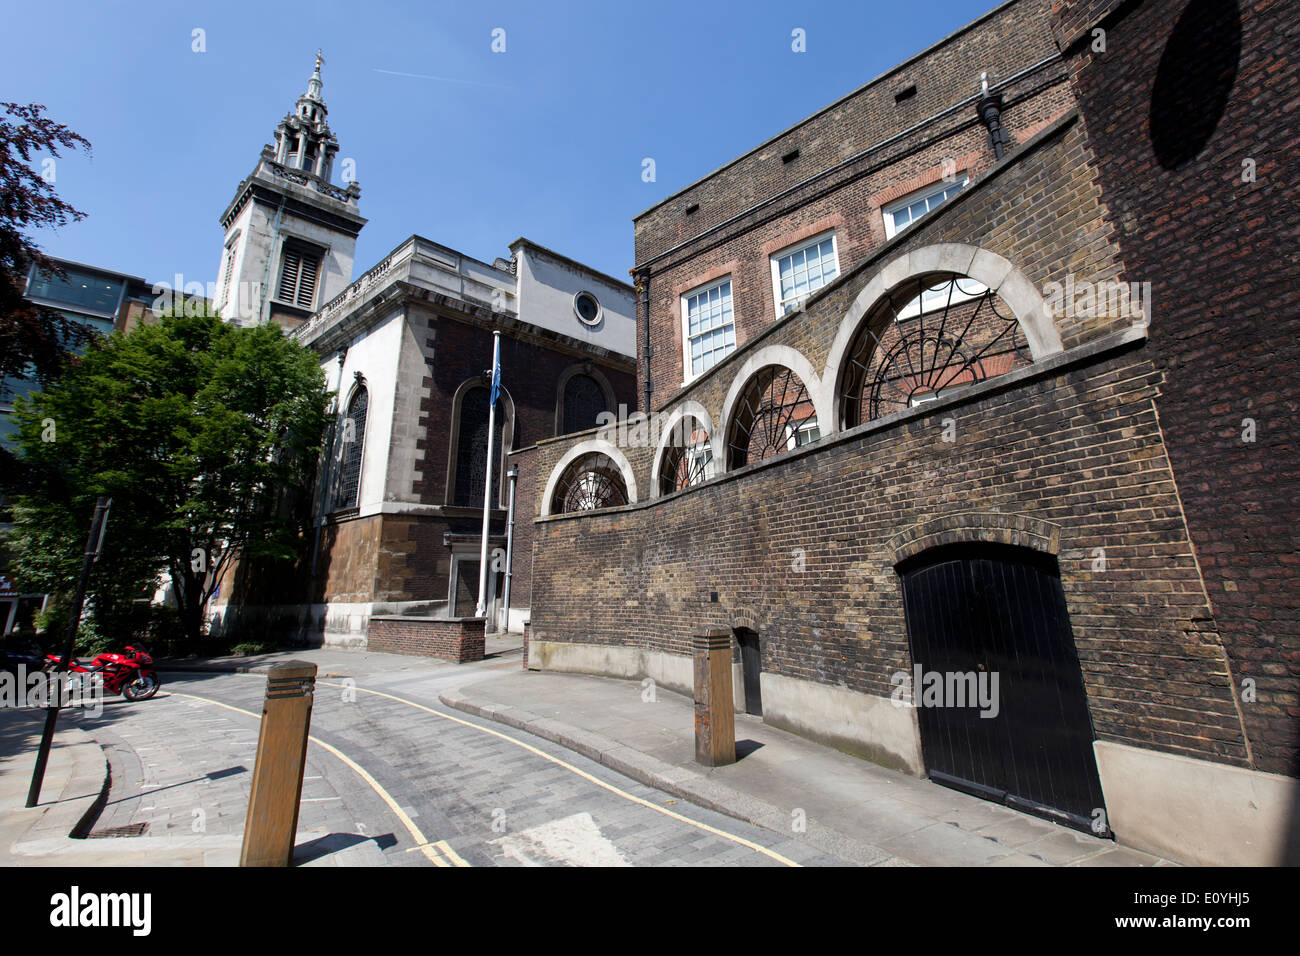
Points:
[298,275]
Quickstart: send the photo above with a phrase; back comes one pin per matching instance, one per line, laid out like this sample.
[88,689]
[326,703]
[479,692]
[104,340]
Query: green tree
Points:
[34,340]
[205,435]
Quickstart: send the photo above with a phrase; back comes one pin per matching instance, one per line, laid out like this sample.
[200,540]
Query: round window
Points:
[587,308]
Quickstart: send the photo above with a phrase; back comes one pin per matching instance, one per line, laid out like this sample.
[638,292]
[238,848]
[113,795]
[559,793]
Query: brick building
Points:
[982,378]
[393,562]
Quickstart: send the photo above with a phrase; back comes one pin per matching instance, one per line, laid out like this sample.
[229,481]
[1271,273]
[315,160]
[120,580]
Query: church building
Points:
[394,560]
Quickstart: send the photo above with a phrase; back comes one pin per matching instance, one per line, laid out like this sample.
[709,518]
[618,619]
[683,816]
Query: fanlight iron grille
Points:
[591,482]
[687,458]
[943,337]
[774,410]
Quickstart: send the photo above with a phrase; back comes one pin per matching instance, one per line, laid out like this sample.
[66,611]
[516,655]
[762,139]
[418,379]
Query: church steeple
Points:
[290,233]
[303,139]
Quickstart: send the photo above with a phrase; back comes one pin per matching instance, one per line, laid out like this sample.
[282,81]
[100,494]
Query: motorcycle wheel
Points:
[142,688]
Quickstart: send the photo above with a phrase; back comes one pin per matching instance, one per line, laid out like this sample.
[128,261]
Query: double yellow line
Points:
[756,847]
[439,852]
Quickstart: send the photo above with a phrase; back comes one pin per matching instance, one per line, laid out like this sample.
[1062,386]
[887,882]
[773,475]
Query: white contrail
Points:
[444,79]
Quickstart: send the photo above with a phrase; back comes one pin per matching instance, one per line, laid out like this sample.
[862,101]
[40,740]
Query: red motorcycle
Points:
[130,674]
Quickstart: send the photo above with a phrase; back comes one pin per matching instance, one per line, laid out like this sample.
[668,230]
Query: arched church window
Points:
[352,443]
[471,448]
[584,400]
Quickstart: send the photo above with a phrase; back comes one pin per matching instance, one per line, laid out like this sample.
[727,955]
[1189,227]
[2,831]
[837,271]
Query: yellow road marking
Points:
[757,848]
[422,843]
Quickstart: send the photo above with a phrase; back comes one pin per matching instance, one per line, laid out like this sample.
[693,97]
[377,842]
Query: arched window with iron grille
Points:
[352,446]
[687,458]
[589,482]
[775,413]
[932,336]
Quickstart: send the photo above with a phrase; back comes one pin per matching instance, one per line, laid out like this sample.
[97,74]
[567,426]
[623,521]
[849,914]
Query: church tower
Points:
[291,234]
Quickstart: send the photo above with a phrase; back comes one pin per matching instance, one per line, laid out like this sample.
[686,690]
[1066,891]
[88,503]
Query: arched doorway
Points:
[751,667]
[996,681]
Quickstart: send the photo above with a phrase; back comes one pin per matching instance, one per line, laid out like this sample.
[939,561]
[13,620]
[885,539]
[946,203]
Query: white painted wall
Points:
[546,287]
[374,354]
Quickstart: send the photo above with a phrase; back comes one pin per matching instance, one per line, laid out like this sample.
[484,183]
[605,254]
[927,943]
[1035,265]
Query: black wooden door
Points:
[751,665]
[992,610]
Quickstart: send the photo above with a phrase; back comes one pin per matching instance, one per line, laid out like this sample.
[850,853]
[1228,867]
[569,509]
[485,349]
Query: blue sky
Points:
[545,140]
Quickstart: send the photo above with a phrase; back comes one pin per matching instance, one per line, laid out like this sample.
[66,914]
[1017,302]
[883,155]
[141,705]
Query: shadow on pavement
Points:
[335,842]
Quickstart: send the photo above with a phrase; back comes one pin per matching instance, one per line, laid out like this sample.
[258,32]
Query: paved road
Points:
[394,777]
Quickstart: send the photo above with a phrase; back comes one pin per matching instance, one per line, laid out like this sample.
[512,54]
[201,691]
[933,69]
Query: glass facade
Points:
[78,289]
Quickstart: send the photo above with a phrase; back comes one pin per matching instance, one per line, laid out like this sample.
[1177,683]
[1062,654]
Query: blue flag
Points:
[496,381]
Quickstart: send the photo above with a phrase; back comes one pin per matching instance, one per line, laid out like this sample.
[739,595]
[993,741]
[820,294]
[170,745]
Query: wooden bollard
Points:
[272,821]
[715,719]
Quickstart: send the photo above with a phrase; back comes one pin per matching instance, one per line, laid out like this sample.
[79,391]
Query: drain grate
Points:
[130,830]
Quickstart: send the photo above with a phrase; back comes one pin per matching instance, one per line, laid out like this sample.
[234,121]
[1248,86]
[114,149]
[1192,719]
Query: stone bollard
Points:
[715,719]
[272,821]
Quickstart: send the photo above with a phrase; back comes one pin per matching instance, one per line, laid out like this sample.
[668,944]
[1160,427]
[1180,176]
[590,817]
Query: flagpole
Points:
[487,487]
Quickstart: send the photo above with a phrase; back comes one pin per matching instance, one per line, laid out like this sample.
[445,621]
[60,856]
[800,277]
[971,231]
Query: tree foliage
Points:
[205,435]
[33,339]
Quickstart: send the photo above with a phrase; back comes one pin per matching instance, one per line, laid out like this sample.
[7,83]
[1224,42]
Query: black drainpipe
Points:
[642,281]
[989,109]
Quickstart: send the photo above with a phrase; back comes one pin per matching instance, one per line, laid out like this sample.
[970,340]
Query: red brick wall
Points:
[801,547]
[1221,255]
[797,548]
[849,199]
[457,639]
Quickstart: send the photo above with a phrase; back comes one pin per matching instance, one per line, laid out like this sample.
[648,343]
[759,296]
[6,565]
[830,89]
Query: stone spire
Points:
[303,139]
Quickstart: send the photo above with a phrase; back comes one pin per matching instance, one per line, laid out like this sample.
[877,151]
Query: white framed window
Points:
[708,327]
[799,271]
[699,459]
[901,214]
[942,294]
[805,433]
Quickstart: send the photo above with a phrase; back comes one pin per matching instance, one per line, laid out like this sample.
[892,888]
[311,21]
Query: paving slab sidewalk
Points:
[838,803]
[332,661]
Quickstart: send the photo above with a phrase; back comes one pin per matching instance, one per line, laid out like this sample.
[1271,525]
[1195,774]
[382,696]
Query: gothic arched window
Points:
[469,445]
[584,399]
[352,444]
